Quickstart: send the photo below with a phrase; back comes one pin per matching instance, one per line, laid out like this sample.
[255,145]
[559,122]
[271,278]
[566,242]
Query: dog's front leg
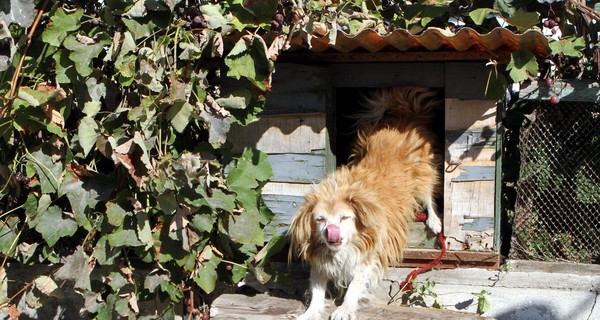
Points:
[358,287]
[318,287]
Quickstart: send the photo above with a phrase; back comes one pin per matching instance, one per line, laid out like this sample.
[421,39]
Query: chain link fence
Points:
[557,211]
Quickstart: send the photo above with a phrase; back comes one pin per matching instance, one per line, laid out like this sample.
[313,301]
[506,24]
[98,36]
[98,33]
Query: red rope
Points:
[407,284]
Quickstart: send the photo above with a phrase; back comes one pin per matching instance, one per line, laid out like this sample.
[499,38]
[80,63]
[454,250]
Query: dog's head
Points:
[336,214]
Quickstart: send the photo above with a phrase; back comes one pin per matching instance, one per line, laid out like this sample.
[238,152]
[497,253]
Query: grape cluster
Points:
[551,23]
[22,179]
[277,22]
[554,99]
[192,16]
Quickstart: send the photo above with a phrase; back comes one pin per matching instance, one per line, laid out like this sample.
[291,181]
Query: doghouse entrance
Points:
[348,103]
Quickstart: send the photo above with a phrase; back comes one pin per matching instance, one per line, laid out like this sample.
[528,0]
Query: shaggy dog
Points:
[355,223]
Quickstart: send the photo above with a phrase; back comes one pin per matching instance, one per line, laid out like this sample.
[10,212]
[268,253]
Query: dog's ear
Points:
[300,230]
[367,223]
[364,207]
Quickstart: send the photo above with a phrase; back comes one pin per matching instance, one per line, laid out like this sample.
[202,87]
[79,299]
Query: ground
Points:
[519,290]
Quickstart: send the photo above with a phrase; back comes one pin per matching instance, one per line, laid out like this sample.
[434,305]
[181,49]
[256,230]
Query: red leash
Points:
[407,284]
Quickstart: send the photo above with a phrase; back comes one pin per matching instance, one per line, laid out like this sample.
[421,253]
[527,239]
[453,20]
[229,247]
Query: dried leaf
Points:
[278,45]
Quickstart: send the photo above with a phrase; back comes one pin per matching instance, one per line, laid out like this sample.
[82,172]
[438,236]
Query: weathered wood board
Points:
[291,133]
[268,307]
[469,175]
[567,90]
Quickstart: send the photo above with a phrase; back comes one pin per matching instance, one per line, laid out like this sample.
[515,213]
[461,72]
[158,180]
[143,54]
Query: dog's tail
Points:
[414,103]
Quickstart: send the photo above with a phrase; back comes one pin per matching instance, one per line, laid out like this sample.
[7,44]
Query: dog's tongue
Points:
[333,233]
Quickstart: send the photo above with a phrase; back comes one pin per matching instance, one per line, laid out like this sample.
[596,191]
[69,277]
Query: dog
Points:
[355,223]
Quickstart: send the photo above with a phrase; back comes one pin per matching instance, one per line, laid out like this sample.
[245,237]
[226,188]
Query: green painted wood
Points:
[499,159]
[479,224]
[476,173]
[566,90]
[473,138]
[298,168]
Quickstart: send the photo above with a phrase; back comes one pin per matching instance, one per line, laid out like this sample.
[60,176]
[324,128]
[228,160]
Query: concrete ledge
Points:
[267,307]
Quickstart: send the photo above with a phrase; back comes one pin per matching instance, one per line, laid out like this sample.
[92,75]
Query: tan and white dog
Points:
[355,223]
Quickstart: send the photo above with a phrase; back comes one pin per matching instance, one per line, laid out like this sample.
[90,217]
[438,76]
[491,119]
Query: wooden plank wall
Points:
[469,175]
[292,131]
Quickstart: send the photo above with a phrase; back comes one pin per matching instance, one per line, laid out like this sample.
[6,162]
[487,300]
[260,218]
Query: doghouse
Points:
[306,130]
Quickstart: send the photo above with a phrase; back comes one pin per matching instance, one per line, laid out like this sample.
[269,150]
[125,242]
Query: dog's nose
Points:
[333,233]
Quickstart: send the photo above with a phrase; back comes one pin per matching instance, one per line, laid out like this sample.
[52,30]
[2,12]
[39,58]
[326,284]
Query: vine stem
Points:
[14,86]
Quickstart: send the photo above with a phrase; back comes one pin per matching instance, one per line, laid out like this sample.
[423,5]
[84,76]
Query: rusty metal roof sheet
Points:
[433,39]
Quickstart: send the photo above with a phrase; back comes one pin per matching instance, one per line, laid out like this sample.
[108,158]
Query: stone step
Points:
[268,307]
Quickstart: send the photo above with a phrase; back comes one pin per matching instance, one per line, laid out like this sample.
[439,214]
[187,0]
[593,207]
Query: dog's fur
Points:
[355,223]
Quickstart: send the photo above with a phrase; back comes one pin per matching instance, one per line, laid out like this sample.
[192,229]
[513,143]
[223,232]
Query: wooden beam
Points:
[566,90]
[407,56]
[453,259]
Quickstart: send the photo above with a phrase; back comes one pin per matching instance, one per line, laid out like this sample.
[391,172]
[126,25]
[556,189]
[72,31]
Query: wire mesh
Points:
[557,211]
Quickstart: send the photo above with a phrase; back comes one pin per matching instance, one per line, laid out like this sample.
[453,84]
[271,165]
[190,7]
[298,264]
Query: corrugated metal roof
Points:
[433,39]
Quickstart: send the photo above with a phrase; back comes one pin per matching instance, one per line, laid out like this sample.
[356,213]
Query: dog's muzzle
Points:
[333,234]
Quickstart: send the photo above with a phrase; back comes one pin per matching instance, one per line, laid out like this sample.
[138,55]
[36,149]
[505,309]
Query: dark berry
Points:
[197,20]
[279,17]
[547,23]
[274,25]
[549,82]
[554,99]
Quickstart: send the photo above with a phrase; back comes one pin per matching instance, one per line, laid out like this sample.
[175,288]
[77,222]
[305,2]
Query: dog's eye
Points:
[345,218]
[320,219]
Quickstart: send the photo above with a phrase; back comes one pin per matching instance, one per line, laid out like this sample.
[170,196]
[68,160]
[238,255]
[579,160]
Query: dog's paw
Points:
[434,223]
[310,315]
[343,313]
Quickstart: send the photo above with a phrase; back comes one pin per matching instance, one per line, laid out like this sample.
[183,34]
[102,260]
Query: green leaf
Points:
[496,85]
[521,64]
[505,6]
[62,24]
[252,167]
[82,53]
[8,234]
[118,210]
[570,46]
[179,114]
[45,284]
[124,238]
[117,281]
[154,279]
[479,15]
[104,252]
[212,15]
[238,273]
[483,304]
[275,245]
[523,20]
[76,268]
[245,228]
[85,192]
[140,28]
[20,12]
[53,226]
[91,108]
[248,59]
[173,290]
[65,70]
[206,275]
[88,132]
[144,232]
[203,222]
[48,170]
